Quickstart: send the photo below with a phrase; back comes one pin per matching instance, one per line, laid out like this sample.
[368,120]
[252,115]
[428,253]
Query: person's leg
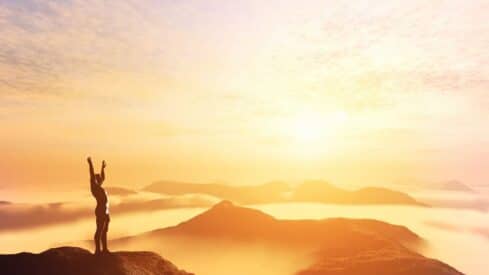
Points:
[98,232]
[104,234]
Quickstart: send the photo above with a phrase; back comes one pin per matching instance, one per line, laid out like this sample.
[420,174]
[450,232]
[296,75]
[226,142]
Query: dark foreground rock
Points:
[77,261]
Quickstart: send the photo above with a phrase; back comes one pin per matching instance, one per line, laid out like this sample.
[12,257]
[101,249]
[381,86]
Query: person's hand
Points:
[104,164]
[89,159]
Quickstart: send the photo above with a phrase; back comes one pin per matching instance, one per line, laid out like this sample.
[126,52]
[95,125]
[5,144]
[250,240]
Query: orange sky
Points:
[243,91]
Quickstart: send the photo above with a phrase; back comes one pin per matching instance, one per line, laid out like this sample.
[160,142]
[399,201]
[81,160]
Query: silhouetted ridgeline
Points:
[275,192]
[77,261]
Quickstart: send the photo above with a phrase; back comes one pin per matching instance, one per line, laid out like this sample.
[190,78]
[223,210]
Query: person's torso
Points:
[101,197]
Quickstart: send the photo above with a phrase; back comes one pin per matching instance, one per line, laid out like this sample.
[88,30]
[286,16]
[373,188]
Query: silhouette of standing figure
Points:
[102,209]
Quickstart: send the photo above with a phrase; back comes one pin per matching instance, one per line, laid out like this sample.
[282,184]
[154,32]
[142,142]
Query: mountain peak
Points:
[228,211]
[225,219]
[78,261]
[223,204]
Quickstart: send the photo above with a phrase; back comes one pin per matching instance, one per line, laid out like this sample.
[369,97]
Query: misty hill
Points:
[455,185]
[77,261]
[320,191]
[226,220]
[340,246]
[308,191]
[449,185]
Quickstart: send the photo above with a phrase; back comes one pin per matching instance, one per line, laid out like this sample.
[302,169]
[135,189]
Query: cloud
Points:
[22,216]
[380,57]
[120,191]
[18,216]
[50,47]
[474,203]
[58,48]
[484,232]
[47,46]
[188,201]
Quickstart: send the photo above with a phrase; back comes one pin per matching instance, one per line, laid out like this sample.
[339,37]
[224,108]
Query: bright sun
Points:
[313,127]
[309,128]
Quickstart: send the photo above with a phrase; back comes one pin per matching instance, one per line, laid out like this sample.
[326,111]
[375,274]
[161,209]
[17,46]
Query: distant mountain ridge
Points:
[77,261]
[448,185]
[275,192]
[342,246]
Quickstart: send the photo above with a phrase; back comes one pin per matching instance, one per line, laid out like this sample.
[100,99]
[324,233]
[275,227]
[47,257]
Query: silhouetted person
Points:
[102,209]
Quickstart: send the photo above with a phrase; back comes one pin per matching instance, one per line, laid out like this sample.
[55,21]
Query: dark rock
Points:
[78,261]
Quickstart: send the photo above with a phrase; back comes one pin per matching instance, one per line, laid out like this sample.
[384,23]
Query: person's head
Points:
[98,179]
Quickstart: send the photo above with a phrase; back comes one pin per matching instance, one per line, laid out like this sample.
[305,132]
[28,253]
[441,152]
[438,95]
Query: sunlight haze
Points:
[245,92]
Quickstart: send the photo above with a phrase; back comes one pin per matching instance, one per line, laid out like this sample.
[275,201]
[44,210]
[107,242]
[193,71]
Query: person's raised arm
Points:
[90,164]
[102,172]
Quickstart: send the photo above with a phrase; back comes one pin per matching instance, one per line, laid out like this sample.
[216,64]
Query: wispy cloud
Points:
[46,45]
[365,59]
[484,232]
[21,216]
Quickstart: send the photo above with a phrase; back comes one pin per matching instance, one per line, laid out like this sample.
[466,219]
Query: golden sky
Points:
[243,91]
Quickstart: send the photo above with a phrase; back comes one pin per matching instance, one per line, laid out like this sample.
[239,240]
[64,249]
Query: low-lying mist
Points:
[457,236]
[211,257]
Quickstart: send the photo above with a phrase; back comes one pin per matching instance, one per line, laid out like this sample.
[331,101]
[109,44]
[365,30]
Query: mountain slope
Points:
[341,246]
[379,262]
[226,220]
[77,261]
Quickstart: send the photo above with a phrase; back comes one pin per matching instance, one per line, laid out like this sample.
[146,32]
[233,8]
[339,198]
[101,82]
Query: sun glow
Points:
[308,128]
[314,127]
